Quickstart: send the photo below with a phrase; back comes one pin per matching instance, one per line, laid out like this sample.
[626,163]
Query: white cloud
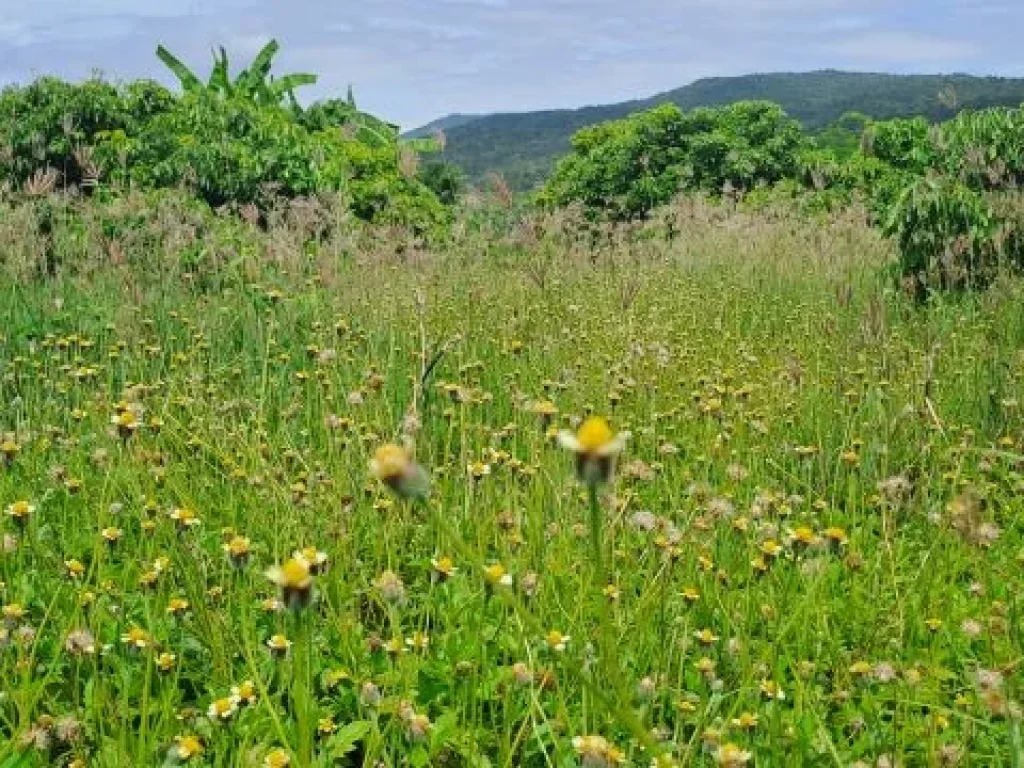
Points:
[413,60]
[900,48]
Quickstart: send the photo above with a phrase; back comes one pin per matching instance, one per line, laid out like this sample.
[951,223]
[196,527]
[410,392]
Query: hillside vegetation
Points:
[523,147]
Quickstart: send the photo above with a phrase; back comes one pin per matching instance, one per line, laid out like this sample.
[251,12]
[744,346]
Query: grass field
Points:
[810,554]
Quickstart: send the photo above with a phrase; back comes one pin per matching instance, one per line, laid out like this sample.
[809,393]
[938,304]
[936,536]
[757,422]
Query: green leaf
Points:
[189,82]
[345,740]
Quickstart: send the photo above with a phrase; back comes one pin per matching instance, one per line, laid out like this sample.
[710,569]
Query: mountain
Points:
[446,123]
[523,147]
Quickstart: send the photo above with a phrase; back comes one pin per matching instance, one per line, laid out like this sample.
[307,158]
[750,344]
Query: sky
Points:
[411,61]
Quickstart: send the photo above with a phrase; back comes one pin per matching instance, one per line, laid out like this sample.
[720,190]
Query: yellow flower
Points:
[20,511]
[295,582]
[279,645]
[278,758]
[556,640]
[137,638]
[596,446]
[223,709]
[187,747]
[731,756]
[706,637]
[597,752]
[8,451]
[238,549]
[394,466]
[245,693]
[443,568]
[177,605]
[313,558]
[933,624]
[495,576]
[165,661]
[185,518]
[746,721]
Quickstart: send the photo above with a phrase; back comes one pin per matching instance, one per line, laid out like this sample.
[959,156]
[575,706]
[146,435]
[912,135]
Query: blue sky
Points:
[414,60]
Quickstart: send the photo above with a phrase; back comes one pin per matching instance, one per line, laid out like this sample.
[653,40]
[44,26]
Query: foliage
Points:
[524,147]
[949,237]
[627,168]
[444,179]
[253,83]
[231,141]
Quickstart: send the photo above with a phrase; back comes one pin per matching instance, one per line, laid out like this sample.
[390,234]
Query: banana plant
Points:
[254,83]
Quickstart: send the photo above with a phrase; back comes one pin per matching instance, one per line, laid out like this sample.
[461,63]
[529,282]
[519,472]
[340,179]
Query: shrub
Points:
[626,168]
[949,236]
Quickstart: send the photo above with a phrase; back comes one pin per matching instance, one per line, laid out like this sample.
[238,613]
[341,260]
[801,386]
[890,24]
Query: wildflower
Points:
[165,661]
[137,638]
[706,637]
[314,559]
[772,690]
[771,548]
[111,535]
[295,582]
[836,537]
[746,721]
[556,640]
[177,606]
[546,410]
[418,641]
[529,583]
[596,752]
[706,667]
[369,694]
[238,549]
[185,518]
[521,673]
[802,537]
[80,642]
[495,576]
[731,756]
[8,451]
[612,592]
[223,709]
[245,693]
[596,447]
[279,645]
[20,512]
[390,587]
[395,466]
[277,758]
[326,726]
[187,747]
[127,422]
[690,594]
[417,726]
[443,568]
[75,568]
[478,470]
[13,613]
[933,624]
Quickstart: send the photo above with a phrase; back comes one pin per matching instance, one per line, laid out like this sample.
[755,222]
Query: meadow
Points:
[809,552]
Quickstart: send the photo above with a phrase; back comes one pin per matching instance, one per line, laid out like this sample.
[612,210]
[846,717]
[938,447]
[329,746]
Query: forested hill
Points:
[524,146]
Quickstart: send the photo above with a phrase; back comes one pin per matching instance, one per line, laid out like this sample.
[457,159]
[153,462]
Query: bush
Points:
[626,168]
[950,237]
[223,146]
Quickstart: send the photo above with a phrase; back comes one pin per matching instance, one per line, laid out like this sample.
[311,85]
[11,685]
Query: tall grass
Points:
[814,535]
